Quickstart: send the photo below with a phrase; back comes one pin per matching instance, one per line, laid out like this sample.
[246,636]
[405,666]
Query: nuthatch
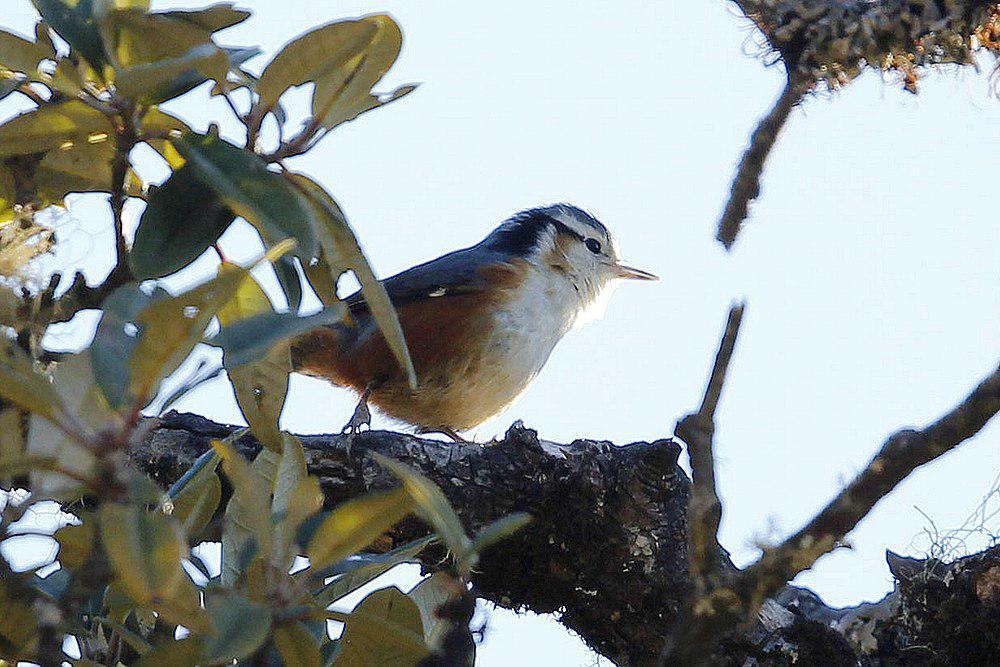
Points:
[480,322]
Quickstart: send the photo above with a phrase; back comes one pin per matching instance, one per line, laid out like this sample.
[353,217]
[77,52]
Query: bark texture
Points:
[608,547]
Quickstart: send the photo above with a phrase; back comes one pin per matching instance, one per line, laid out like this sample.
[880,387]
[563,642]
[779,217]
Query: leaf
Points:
[240,628]
[429,595]
[384,629]
[499,530]
[247,340]
[360,569]
[8,84]
[166,79]
[182,219]
[355,524]
[248,514]
[431,504]
[213,18]
[296,645]
[76,542]
[290,473]
[314,54]
[21,384]
[77,25]
[366,103]
[343,94]
[116,339]
[196,496]
[296,496]
[171,327]
[243,181]
[288,278]
[342,250]
[18,625]
[145,550]
[173,653]
[18,54]
[261,385]
[80,168]
[52,126]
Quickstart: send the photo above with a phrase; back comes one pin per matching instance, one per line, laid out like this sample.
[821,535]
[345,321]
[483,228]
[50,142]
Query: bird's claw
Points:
[362,417]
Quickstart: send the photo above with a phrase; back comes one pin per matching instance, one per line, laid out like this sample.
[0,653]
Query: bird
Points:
[480,322]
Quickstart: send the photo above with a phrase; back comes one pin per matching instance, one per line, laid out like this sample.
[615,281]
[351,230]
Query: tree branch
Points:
[607,548]
[697,430]
[831,42]
[902,453]
[746,182]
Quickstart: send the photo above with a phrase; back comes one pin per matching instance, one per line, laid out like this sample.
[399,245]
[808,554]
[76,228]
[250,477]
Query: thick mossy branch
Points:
[607,548]
[832,41]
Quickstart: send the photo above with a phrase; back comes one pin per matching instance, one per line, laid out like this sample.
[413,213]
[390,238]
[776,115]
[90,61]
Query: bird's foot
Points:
[362,417]
[456,437]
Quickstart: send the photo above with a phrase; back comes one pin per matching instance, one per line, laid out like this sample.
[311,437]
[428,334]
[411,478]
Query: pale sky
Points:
[870,265]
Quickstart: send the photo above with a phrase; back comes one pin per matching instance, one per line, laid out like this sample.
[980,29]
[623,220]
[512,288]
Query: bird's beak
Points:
[629,273]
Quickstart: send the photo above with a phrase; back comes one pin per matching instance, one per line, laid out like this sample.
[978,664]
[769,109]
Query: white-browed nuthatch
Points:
[479,322]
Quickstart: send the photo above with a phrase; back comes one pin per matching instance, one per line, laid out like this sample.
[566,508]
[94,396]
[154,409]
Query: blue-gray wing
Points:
[449,275]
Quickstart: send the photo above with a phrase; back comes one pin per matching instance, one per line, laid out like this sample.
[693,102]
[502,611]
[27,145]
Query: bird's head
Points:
[569,244]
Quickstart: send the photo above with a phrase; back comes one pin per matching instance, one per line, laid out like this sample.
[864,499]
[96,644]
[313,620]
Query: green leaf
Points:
[243,181]
[75,22]
[385,629]
[429,595]
[499,530]
[288,278]
[358,570]
[8,84]
[173,653]
[80,168]
[166,79]
[364,104]
[248,514]
[195,501]
[355,524]
[182,219]
[431,504]
[116,340]
[314,55]
[18,54]
[213,18]
[240,628]
[343,252]
[76,542]
[296,496]
[260,385]
[248,340]
[296,645]
[52,126]
[170,328]
[20,383]
[18,625]
[145,550]
[345,93]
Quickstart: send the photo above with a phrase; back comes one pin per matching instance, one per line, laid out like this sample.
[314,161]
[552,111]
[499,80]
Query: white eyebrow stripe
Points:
[440,291]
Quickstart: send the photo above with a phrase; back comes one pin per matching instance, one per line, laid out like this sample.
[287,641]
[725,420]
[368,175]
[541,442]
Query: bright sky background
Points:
[870,265]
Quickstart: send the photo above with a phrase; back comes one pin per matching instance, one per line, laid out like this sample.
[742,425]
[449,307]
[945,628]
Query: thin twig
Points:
[697,430]
[746,183]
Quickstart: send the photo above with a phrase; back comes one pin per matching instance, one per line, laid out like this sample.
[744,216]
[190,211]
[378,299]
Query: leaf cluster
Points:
[129,588]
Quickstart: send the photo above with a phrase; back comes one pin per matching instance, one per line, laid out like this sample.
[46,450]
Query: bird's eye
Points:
[594,246]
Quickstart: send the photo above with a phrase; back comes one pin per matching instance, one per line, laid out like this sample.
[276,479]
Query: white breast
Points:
[526,329]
